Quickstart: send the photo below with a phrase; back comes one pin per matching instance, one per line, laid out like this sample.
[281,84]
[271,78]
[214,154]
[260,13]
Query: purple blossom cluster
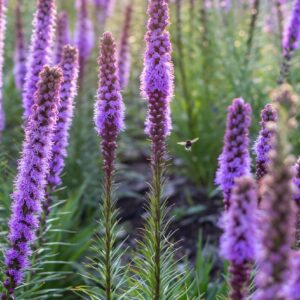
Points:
[69,65]
[237,244]
[62,35]
[40,49]
[31,179]
[109,109]
[157,76]
[20,60]
[124,53]
[234,160]
[264,143]
[84,35]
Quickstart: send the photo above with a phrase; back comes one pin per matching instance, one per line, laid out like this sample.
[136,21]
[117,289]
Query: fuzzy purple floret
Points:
[109,107]
[277,225]
[124,55]
[20,56]
[263,145]
[84,35]
[157,76]
[69,65]
[30,182]
[238,240]
[294,285]
[234,160]
[40,49]
[297,182]
[292,33]
[62,35]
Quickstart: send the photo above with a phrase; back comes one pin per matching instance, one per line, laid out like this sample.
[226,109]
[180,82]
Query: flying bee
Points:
[188,144]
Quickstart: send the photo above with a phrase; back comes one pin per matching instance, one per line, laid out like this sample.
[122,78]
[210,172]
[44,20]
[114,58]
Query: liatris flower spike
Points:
[62,35]
[238,240]
[124,55]
[41,44]
[294,285]
[84,35]
[31,179]
[69,65]
[264,142]
[234,160]
[297,182]
[109,121]
[277,222]
[109,110]
[2,35]
[20,67]
[290,41]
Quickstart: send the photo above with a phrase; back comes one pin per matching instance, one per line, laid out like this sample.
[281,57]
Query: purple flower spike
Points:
[264,142]
[109,110]
[20,50]
[294,286]
[62,35]
[297,182]
[2,35]
[69,66]
[30,182]
[41,44]
[237,242]
[277,225]
[234,160]
[124,55]
[104,9]
[84,35]
[157,77]
[292,33]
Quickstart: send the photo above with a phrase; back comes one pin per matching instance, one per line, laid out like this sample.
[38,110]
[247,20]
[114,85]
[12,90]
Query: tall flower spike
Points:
[31,179]
[294,286]
[290,41]
[237,242]
[155,266]
[84,35]
[264,141]
[2,36]
[69,66]
[20,49]
[40,49]
[109,115]
[62,35]
[277,222]
[234,160]
[297,182]
[124,55]
[157,77]
[103,9]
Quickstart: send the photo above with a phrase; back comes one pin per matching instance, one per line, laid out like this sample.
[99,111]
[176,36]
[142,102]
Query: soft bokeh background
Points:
[211,68]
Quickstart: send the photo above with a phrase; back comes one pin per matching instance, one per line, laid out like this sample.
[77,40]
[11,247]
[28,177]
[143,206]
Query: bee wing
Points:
[194,140]
[181,143]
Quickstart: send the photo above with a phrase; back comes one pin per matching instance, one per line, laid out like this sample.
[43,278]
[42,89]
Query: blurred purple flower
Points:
[297,182]
[31,179]
[124,53]
[84,35]
[40,49]
[277,225]
[238,240]
[20,67]
[104,9]
[294,286]
[62,35]
[69,65]
[263,145]
[109,108]
[234,160]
